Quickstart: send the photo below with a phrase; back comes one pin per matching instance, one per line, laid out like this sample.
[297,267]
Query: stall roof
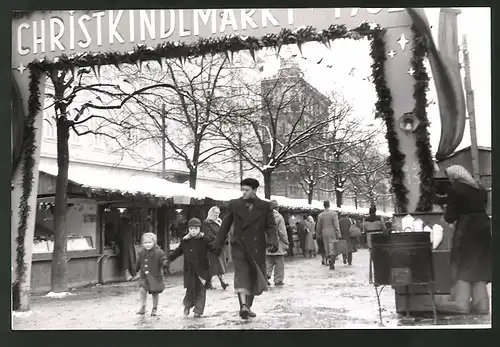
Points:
[121,183]
[155,186]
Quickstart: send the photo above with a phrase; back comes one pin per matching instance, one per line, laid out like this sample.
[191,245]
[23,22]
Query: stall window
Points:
[81,219]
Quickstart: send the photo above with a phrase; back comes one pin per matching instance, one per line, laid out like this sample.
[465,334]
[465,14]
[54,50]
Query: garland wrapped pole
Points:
[25,184]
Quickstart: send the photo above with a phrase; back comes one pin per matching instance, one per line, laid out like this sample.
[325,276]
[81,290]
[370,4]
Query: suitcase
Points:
[340,247]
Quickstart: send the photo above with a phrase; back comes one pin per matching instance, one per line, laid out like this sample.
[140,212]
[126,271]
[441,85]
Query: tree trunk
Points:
[310,194]
[193,177]
[356,200]
[58,281]
[338,197]
[267,183]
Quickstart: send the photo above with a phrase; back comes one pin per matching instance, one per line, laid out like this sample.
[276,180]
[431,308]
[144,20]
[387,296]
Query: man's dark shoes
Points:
[197,315]
[186,311]
[244,312]
[251,314]
[279,284]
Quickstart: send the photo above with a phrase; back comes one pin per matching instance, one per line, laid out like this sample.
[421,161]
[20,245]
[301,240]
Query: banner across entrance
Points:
[54,33]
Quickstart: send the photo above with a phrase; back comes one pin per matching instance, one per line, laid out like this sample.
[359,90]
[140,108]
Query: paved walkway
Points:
[313,298]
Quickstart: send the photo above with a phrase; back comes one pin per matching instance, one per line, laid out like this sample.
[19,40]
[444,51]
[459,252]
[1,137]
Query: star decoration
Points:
[21,68]
[411,71]
[391,54]
[402,42]
[412,173]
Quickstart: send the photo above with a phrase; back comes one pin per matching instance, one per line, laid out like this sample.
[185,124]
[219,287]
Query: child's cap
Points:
[149,237]
[194,222]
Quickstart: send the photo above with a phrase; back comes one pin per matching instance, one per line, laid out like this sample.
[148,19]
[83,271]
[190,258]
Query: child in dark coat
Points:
[195,247]
[150,261]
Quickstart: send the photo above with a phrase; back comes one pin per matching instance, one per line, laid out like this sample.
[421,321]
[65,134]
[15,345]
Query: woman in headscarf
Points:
[471,250]
[217,263]
[373,224]
[310,244]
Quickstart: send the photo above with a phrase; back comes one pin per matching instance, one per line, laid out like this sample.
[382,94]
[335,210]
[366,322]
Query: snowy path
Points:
[313,298]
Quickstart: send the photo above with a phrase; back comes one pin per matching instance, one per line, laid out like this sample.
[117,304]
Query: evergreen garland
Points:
[28,164]
[384,111]
[204,46]
[424,153]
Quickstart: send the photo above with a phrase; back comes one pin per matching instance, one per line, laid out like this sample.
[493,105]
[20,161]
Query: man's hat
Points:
[250,182]
[194,222]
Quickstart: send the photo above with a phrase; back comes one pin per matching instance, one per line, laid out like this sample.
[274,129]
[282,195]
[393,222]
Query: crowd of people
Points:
[322,235]
[260,238]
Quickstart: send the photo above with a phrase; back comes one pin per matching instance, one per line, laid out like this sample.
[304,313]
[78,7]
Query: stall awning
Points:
[122,183]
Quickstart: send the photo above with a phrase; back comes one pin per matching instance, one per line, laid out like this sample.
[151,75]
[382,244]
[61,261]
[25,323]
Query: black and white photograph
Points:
[269,169]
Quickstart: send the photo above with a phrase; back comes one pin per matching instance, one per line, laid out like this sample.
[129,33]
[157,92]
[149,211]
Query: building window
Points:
[74,139]
[98,139]
[152,148]
[49,127]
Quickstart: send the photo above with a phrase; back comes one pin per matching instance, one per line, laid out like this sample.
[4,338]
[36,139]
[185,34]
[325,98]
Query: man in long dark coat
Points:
[254,231]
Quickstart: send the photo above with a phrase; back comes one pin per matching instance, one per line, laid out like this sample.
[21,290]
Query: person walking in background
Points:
[254,231]
[471,245]
[328,226]
[195,247]
[373,224]
[127,248]
[217,263]
[321,247]
[345,226]
[289,233]
[150,262]
[276,261]
[388,224]
[362,240]
[310,245]
[301,232]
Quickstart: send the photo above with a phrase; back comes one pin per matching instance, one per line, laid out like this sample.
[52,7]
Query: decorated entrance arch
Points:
[400,40]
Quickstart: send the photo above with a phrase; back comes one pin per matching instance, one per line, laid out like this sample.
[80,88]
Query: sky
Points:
[347,54]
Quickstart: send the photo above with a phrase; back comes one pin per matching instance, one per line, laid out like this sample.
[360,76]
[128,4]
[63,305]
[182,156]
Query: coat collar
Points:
[249,216]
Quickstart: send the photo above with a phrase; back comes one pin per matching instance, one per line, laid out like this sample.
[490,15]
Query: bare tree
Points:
[70,116]
[327,169]
[202,97]
[287,119]
[370,180]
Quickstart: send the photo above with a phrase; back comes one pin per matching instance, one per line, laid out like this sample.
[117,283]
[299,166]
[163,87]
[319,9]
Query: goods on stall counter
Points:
[411,224]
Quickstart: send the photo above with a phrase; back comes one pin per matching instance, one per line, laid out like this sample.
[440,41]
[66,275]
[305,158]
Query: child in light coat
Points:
[150,262]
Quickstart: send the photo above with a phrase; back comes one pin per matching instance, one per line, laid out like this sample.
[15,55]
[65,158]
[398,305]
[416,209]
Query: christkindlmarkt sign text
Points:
[51,34]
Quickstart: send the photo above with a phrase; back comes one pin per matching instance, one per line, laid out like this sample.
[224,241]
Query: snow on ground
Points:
[57,295]
[313,298]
